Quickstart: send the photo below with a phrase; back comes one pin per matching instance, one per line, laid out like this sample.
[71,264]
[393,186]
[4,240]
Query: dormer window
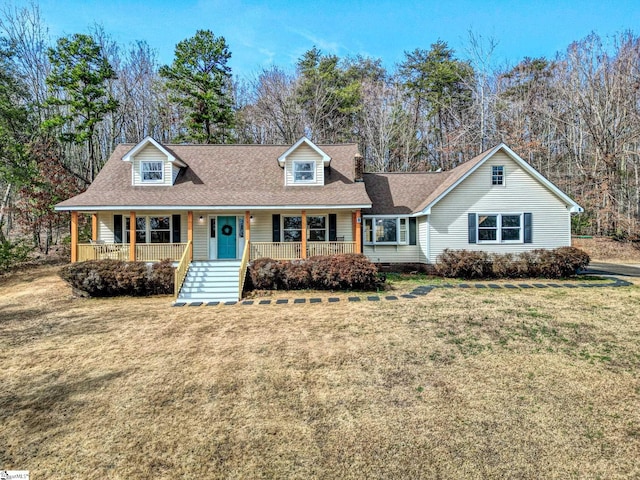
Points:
[304,172]
[152,171]
[497,175]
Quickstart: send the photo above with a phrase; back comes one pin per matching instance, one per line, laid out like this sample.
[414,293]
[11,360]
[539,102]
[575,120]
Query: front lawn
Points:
[455,384]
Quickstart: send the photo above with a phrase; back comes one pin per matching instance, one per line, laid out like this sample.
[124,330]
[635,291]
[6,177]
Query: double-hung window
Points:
[316,228]
[304,172]
[386,230]
[160,229]
[497,175]
[156,229]
[292,229]
[152,171]
[500,228]
[141,229]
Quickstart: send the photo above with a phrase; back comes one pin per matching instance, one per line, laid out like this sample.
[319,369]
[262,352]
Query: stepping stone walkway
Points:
[415,293]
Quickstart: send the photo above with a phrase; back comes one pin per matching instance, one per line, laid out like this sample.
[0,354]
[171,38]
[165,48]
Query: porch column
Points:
[74,237]
[132,236]
[190,232]
[353,225]
[303,248]
[94,227]
[358,236]
[247,226]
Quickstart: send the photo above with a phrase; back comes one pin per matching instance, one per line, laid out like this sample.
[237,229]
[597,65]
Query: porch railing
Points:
[103,251]
[182,269]
[330,248]
[276,250]
[293,250]
[243,268]
[154,252]
[145,252]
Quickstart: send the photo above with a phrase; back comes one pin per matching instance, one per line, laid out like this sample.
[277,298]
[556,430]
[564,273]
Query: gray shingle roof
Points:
[406,193]
[225,176]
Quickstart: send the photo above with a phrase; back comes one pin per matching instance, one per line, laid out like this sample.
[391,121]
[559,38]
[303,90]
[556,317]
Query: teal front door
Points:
[227,237]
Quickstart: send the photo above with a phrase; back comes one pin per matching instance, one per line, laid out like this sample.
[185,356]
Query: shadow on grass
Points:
[49,403]
[27,325]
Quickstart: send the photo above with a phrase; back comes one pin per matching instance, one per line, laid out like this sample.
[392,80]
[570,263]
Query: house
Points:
[213,208]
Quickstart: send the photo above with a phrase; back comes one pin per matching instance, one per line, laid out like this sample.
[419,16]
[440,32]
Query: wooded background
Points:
[66,103]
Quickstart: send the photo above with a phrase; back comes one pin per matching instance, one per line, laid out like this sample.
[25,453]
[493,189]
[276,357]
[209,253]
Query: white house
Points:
[213,208]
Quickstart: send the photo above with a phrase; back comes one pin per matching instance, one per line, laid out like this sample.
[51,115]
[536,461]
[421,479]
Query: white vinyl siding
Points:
[401,253]
[151,153]
[448,222]
[304,153]
[106,228]
[422,232]
[261,227]
[393,253]
[200,235]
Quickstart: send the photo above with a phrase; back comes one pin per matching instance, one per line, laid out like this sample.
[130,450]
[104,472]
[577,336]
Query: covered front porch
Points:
[209,235]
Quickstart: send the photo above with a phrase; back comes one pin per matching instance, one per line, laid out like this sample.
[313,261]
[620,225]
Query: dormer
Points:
[152,164]
[304,163]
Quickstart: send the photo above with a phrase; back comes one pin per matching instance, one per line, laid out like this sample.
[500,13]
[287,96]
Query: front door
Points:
[227,236]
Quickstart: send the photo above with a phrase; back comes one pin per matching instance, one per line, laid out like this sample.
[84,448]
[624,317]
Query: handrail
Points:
[182,269]
[243,267]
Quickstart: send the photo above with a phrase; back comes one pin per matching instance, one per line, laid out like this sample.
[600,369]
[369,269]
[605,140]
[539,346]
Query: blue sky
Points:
[262,33]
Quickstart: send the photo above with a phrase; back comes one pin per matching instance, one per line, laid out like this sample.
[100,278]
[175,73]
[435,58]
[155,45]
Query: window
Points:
[141,229]
[497,175]
[160,229]
[152,172]
[497,228]
[386,230]
[149,229]
[292,229]
[304,172]
[317,227]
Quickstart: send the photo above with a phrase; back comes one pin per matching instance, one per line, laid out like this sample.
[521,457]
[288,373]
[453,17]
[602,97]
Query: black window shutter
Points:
[276,227]
[412,231]
[528,237]
[117,228]
[472,227]
[176,228]
[333,227]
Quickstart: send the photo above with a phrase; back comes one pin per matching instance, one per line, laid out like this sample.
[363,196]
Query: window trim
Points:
[283,229]
[147,228]
[402,227]
[499,228]
[326,227]
[294,163]
[498,176]
[149,162]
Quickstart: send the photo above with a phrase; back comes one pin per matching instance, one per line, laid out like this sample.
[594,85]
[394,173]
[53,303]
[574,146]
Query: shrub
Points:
[343,272]
[161,280]
[295,275]
[558,263]
[108,278]
[464,264]
[265,274]
[12,253]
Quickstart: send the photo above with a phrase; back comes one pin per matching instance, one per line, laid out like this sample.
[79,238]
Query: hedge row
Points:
[558,263]
[110,278]
[336,272]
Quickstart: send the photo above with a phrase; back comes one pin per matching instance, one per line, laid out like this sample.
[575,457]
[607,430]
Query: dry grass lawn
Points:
[603,249]
[456,384]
